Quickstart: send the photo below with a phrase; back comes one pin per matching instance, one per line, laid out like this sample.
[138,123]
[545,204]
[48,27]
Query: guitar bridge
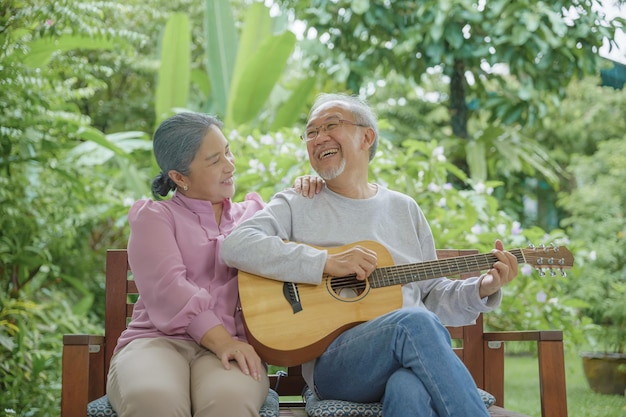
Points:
[290,291]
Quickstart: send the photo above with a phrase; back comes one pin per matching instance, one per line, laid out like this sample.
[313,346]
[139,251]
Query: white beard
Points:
[332,173]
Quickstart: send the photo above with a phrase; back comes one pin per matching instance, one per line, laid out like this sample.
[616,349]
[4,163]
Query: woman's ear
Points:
[178,178]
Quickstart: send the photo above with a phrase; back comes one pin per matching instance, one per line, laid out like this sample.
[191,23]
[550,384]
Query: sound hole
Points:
[347,287]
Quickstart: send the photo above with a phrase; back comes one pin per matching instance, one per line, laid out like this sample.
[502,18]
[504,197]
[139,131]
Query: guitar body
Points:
[287,338]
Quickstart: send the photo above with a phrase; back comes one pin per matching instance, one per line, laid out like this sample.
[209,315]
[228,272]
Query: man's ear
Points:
[370,137]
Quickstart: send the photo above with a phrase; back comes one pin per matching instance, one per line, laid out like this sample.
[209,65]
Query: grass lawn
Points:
[522,390]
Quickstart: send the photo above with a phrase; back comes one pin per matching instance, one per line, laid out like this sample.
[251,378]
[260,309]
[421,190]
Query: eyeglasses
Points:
[313,132]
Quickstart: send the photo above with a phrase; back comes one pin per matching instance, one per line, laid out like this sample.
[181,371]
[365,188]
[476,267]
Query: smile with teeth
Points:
[327,153]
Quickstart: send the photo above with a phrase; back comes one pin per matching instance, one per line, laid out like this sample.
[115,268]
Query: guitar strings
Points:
[420,271]
[394,272]
[401,274]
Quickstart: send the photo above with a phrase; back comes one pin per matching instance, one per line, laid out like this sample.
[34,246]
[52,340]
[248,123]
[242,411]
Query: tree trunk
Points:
[458,106]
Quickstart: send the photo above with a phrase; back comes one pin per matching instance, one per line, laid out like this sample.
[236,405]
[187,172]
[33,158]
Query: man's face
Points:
[332,139]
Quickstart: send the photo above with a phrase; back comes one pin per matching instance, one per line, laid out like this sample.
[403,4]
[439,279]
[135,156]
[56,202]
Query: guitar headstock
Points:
[548,257]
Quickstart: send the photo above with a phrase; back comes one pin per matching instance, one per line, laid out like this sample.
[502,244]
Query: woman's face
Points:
[211,170]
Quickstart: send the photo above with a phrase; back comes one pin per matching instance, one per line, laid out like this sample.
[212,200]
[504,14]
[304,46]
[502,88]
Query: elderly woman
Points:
[185,352]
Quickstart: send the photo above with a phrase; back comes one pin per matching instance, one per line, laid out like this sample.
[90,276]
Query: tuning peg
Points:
[552,272]
[541,272]
[563,273]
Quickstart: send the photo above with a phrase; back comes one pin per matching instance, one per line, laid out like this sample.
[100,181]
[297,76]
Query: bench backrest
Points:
[121,293]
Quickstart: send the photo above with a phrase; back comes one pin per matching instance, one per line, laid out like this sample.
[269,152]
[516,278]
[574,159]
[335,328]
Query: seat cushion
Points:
[338,408]
[102,408]
[487,398]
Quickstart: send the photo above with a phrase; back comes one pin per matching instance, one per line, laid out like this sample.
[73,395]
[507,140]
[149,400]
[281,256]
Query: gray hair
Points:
[176,142]
[362,112]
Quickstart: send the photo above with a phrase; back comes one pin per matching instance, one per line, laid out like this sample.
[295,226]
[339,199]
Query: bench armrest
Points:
[551,367]
[83,373]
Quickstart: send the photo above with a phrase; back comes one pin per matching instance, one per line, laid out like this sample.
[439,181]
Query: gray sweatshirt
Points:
[269,244]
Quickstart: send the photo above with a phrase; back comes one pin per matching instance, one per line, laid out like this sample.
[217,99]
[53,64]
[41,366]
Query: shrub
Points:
[598,220]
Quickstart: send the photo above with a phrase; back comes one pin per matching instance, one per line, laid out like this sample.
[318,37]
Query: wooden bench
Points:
[86,357]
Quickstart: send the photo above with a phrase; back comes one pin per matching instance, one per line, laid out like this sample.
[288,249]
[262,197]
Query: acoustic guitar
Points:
[290,323]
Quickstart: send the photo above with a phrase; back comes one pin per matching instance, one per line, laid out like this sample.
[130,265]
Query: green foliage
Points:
[58,214]
[598,220]
[503,65]
[490,151]
[44,200]
[261,73]
[222,41]
[241,78]
[267,163]
[589,114]
[30,357]
[541,45]
[175,70]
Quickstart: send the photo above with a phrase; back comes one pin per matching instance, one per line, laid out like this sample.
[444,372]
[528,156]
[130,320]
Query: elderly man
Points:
[402,358]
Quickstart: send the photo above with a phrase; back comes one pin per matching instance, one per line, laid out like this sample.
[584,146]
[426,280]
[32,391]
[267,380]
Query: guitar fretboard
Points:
[403,274]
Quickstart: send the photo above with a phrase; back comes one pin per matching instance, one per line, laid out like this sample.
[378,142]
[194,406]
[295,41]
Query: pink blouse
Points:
[174,253]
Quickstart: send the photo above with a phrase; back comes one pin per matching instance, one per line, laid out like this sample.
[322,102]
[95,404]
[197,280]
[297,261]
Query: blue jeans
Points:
[403,359]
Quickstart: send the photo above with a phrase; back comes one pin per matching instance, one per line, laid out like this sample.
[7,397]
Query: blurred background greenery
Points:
[500,118]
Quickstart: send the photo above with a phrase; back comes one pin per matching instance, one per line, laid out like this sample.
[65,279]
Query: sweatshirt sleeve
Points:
[261,245]
[455,302]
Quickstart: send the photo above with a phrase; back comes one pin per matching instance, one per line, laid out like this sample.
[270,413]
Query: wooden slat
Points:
[83,357]
[74,392]
[115,314]
[494,371]
[292,412]
[456,332]
[496,411]
[552,378]
[524,335]
[97,385]
[473,350]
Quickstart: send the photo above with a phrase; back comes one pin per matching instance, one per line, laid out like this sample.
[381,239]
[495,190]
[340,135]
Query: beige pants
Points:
[178,378]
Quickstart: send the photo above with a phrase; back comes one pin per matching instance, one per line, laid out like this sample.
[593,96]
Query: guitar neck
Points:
[403,274]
